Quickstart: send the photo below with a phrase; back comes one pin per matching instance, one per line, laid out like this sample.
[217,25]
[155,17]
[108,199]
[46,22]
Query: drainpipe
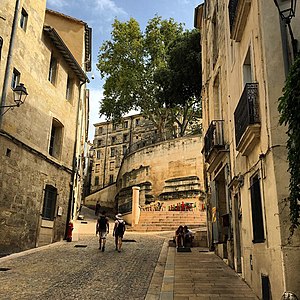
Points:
[71,194]
[9,59]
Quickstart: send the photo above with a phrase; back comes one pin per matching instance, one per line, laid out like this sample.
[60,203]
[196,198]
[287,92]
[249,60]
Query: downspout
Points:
[71,194]
[9,60]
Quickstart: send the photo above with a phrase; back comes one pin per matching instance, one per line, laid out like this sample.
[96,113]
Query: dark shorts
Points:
[120,235]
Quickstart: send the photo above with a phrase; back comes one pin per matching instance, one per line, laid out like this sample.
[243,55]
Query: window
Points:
[111,179]
[98,154]
[124,150]
[97,170]
[49,202]
[100,130]
[15,78]
[125,138]
[126,124]
[97,180]
[52,69]
[111,165]
[113,139]
[114,126]
[56,138]
[217,99]
[23,19]
[69,90]
[1,44]
[112,152]
[247,69]
[256,207]
[99,143]
[137,122]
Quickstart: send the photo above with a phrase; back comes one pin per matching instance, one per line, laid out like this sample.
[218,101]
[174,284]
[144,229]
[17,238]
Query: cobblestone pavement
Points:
[64,271]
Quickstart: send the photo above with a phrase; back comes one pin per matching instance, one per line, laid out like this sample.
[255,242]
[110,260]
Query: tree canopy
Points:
[157,72]
[289,109]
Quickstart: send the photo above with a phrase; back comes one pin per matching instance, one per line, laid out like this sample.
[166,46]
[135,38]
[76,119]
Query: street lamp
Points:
[20,94]
[287,10]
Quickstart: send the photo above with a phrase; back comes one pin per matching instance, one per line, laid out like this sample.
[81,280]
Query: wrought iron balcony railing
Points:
[214,137]
[247,110]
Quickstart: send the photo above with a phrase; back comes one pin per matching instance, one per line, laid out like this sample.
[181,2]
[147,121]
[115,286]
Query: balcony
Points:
[238,15]
[214,146]
[246,119]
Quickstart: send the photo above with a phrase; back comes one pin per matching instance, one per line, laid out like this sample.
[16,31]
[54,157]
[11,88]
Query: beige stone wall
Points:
[105,196]
[155,164]
[71,30]
[26,165]
[260,37]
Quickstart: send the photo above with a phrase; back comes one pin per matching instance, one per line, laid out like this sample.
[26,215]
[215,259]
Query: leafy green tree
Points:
[140,72]
[180,82]
[289,108]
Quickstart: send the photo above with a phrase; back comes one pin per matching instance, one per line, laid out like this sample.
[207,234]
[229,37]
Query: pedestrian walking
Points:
[97,208]
[118,232]
[102,228]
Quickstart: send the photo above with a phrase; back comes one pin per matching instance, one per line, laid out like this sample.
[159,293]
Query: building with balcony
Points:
[41,142]
[244,53]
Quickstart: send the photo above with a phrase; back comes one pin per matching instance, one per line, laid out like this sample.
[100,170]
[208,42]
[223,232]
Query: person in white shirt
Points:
[119,231]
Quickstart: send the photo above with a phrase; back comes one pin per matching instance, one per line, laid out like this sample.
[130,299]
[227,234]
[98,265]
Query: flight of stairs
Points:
[169,220]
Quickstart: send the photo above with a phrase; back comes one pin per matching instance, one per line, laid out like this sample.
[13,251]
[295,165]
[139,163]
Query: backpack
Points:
[102,221]
[120,228]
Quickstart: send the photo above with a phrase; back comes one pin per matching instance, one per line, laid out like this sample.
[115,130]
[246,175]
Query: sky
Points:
[100,14]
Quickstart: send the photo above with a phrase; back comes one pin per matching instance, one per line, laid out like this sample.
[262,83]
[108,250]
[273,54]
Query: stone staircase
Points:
[169,220]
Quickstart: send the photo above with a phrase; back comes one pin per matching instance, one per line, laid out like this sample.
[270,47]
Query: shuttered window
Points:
[257,214]
[49,202]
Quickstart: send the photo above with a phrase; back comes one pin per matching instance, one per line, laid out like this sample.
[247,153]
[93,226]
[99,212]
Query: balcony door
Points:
[247,68]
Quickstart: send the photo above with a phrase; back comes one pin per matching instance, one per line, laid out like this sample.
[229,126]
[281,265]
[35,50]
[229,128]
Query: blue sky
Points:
[100,14]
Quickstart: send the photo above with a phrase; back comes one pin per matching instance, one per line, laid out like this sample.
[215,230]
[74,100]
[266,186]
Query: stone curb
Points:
[155,286]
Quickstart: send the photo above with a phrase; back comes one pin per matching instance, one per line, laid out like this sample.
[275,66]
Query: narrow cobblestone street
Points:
[64,271]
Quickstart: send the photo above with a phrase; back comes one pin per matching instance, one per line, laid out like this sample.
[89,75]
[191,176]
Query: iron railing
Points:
[214,137]
[247,110]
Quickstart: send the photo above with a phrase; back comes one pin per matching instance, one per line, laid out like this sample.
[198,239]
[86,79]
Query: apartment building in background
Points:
[113,141]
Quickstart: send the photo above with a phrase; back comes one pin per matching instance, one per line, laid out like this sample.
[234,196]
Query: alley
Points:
[64,271]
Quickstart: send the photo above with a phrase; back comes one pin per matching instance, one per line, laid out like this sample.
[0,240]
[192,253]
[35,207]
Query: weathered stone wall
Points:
[23,178]
[156,165]
[26,165]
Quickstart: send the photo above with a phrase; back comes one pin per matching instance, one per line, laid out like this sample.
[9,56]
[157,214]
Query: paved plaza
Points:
[146,269]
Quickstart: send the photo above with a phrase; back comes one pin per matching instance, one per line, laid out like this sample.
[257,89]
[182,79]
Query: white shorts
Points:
[102,234]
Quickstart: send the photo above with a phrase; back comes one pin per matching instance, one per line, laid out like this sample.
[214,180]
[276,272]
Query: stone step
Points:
[145,228]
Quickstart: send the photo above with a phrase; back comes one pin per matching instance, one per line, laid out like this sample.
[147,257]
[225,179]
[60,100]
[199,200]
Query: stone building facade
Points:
[245,48]
[40,141]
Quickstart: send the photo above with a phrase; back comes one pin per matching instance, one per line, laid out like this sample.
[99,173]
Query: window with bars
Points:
[97,180]
[49,203]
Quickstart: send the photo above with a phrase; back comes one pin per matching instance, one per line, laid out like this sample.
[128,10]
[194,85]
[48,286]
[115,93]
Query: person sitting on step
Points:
[179,237]
[187,237]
